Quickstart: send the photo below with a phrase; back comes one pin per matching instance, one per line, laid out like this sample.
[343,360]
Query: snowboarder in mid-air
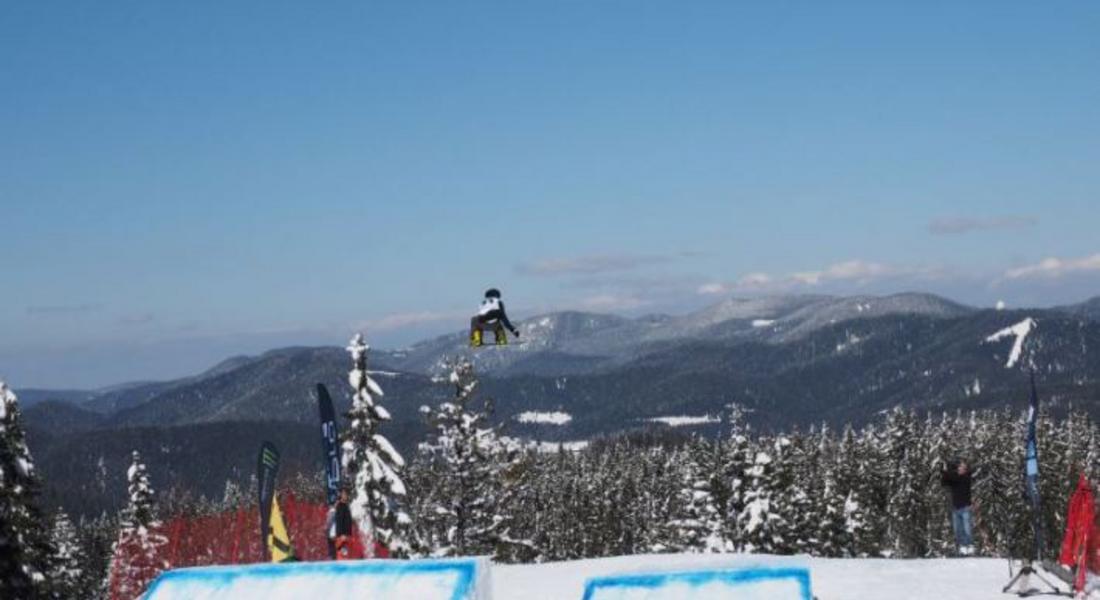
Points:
[491,313]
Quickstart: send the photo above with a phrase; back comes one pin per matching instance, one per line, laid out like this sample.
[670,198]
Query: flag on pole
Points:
[330,444]
[266,471]
[1031,468]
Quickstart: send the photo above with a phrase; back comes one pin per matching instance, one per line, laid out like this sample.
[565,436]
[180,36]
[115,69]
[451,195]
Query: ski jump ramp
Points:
[458,579]
[470,579]
[744,583]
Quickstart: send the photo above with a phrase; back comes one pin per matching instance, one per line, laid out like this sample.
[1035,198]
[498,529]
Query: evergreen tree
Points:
[798,480]
[66,573]
[468,459]
[136,559]
[695,526]
[372,464]
[24,548]
[761,522]
[737,460]
[97,538]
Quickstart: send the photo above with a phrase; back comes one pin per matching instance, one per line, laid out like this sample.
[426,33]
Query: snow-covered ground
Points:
[833,579]
[469,579]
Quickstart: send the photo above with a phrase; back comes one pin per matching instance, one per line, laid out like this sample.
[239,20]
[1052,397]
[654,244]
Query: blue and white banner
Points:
[1031,467]
[330,444]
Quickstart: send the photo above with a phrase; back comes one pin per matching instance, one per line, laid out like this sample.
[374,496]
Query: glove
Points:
[515,332]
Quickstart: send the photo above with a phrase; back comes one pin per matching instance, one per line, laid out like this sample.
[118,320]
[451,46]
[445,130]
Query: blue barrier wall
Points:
[458,579]
[784,583]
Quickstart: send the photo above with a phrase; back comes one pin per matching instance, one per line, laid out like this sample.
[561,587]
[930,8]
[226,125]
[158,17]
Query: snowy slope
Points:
[833,579]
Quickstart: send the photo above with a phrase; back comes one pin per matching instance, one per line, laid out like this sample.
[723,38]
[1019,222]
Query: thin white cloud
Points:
[963,225]
[597,264]
[63,309]
[1053,268]
[858,272]
[852,270]
[136,319]
[611,302]
[408,319]
[747,283]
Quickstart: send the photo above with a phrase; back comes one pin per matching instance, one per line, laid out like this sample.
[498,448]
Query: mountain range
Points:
[788,360]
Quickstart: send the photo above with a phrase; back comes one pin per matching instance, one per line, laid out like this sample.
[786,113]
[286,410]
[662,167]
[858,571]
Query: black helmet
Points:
[492,293]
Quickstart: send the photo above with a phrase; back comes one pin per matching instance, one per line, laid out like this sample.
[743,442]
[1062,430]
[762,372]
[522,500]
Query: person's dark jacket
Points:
[343,519]
[959,485]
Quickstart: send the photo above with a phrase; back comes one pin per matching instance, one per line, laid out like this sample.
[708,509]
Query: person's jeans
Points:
[961,522]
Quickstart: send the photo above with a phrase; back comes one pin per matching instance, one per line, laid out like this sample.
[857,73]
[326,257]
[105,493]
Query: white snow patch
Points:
[851,339]
[763,323]
[832,578]
[553,447]
[546,447]
[1020,331]
[1000,305]
[975,389]
[544,418]
[685,421]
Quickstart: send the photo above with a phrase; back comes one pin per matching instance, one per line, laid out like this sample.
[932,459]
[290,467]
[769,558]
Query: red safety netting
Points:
[228,538]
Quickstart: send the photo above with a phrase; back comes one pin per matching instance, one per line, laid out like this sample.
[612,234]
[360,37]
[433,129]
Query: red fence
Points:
[228,538]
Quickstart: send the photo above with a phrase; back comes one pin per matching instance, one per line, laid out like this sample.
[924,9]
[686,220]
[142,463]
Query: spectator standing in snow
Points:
[959,480]
[330,532]
[341,524]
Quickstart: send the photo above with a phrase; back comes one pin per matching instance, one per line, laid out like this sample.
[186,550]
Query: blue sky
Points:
[184,181]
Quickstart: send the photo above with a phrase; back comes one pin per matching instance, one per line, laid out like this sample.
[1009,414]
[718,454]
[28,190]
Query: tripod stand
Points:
[1023,578]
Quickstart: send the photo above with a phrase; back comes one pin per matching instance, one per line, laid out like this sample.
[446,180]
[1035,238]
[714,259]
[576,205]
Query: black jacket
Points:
[960,486]
[343,519]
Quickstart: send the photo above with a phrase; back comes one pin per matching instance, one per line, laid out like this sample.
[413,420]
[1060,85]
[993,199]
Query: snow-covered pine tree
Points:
[737,459]
[97,538]
[372,464]
[1056,478]
[762,526]
[940,440]
[697,523]
[468,457]
[846,474]
[24,548]
[907,509]
[797,476]
[136,559]
[66,572]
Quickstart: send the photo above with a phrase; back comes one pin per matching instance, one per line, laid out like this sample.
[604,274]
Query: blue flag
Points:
[1031,468]
[330,444]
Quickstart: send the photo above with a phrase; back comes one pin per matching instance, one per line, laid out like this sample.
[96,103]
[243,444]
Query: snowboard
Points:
[500,338]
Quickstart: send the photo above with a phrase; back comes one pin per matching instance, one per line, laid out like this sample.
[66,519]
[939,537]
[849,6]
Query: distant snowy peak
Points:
[768,308]
[1019,331]
[830,311]
[1089,309]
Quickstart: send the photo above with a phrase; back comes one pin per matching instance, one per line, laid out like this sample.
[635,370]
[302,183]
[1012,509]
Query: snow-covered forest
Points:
[868,492]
